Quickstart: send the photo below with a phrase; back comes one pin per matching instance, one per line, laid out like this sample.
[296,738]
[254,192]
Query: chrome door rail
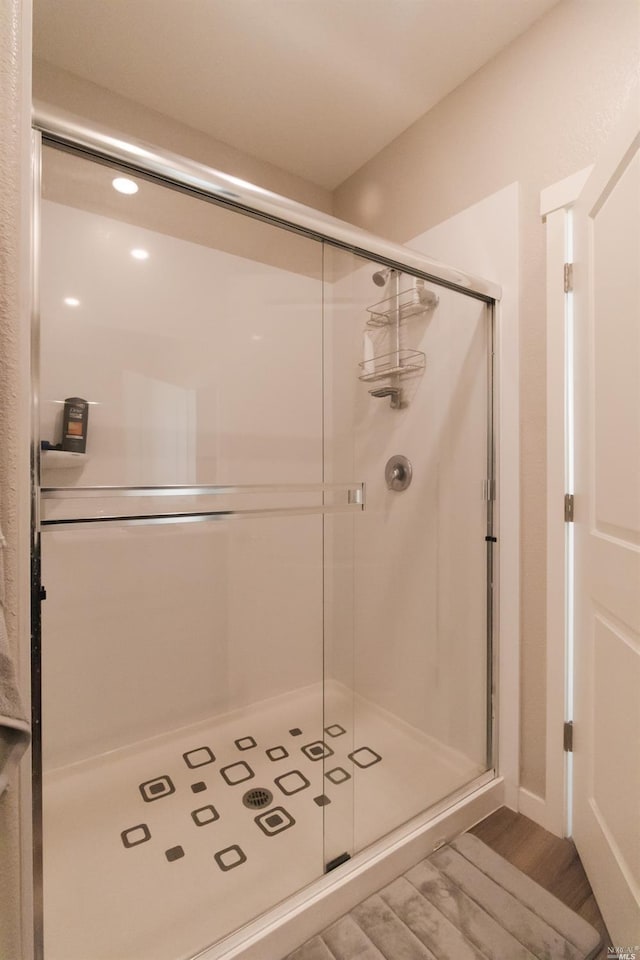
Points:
[195,490]
[156,518]
[354,500]
[71,133]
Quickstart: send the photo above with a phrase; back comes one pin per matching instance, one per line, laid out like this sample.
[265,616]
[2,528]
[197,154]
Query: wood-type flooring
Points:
[550,861]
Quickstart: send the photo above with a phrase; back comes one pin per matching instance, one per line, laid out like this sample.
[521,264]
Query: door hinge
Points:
[568,508]
[568,277]
[43,593]
[568,736]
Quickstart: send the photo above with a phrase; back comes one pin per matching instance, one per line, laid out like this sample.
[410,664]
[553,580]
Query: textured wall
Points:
[536,113]
[14,191]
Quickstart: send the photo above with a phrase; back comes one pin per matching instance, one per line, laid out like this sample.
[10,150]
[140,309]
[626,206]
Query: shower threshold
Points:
[150,852]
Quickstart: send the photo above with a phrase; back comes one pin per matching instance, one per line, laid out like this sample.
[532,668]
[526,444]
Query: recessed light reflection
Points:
[124,185]
[140,254]
[72,301]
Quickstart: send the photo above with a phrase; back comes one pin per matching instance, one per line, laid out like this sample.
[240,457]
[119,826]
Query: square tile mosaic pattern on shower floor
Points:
[275,819]
[159,850]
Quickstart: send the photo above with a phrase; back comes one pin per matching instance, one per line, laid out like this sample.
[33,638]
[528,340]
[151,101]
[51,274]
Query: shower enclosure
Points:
[267,637]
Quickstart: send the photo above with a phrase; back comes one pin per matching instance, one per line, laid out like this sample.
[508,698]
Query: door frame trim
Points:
[552,810]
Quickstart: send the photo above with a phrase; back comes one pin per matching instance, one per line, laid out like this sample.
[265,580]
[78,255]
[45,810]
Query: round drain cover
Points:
[257,798]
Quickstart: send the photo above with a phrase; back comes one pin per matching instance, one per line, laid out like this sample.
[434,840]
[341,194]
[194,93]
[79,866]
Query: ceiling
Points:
[316,87]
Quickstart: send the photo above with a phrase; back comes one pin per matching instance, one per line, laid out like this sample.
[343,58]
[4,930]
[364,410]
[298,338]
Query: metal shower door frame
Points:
[61,131]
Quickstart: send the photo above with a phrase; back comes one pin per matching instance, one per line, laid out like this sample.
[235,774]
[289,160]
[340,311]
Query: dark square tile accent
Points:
[237,772]
[277,753]
[230,857]
[156,788]
[364,757]
[198,757]
[174,853]
[274,821]
[335,730]
[317,750]
[199,786]
[204,815]
[296,732]
[337,775]
[135,835]
[245,743]
[292,782]
[322,800]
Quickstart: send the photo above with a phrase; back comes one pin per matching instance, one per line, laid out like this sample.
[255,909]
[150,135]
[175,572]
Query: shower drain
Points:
[257,798]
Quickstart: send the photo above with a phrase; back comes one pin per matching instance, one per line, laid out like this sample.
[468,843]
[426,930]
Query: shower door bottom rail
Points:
[330,498]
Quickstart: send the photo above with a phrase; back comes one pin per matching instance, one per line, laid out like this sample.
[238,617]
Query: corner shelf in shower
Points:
[62,459]
[404,306]
[399,363]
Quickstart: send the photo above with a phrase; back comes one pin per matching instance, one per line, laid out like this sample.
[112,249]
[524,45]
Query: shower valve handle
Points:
[398,473]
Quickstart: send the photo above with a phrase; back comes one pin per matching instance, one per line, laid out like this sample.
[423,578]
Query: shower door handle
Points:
[321,498]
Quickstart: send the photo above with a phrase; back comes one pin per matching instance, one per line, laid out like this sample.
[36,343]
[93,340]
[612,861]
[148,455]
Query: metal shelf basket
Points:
[407,304]
[400,363]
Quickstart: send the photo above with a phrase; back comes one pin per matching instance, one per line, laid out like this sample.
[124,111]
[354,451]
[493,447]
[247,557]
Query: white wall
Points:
[203,367]
[420,585]
[206,367]
[406,580]
[537,112]
[484,239]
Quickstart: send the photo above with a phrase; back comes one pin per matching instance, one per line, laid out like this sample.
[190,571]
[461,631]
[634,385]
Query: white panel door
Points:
[606,807]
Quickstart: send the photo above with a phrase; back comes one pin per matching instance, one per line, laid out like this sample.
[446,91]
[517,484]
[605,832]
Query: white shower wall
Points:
[203,367]
[407,615]
[408,610]
[164,643]
[208,367]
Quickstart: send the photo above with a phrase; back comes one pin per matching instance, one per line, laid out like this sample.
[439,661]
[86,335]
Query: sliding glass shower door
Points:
[407,585]
[182,556]
[264,521]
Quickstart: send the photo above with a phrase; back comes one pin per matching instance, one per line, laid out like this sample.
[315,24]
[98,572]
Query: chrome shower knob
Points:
[398,472]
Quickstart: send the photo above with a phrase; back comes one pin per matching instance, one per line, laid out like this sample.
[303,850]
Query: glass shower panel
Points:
[165,811]
[263,648]
[182,682]
[194,333]
[406,627]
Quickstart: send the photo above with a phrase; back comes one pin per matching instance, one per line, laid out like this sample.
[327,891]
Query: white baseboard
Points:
[533,806]
[540,811]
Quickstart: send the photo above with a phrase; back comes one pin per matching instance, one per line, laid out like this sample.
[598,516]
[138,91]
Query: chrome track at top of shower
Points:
[71,133]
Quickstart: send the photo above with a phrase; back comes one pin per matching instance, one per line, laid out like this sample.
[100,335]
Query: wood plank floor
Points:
[550,861]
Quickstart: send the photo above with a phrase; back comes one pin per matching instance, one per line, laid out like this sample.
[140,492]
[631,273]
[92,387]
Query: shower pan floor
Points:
[150,852]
